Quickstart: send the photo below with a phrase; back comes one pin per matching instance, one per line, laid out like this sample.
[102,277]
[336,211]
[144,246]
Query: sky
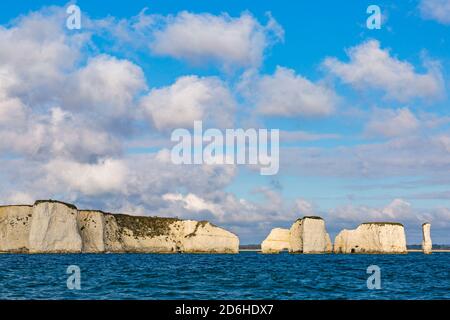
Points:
[86,114]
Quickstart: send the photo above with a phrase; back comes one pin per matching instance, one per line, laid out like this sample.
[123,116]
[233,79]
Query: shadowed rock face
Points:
[427,245]
[374,237]
[92,229]
[56,227]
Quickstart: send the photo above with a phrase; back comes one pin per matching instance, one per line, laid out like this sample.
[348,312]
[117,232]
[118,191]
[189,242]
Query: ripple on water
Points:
[248,275]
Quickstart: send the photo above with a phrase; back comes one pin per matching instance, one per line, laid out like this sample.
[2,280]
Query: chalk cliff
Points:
[309,235]
[166,235]
[373,237]
[56,227]
[276,241]
[427,245]
[15,224]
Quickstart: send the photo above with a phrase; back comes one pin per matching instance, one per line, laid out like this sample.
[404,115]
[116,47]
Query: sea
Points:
[248,275]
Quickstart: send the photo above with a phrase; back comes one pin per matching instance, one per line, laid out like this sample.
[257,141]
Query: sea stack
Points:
[427,245]
[372,238]
[56,227]
[276,241]
[308,235]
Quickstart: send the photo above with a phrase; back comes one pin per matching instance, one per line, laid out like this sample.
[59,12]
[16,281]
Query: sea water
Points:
[248,275]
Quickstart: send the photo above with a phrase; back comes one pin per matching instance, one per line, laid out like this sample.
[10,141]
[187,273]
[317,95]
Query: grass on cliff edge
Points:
[144,226]
[384,223]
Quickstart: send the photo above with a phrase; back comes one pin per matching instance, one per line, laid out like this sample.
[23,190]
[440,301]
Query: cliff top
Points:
[56,201]
[310,217]
[15,205]
[41,201]
[144,226]
[383,223]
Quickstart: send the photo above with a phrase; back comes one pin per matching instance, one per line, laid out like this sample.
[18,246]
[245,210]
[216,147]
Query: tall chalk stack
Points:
[427,245]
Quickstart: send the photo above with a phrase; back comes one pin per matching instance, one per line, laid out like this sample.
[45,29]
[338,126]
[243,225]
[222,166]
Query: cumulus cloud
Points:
[392,123]
[223,39]
[397,210]
[371,67]
[438,10]
[106,84]
[229,42]
[192,202]
[296,136]
[106,176]
[403,156]
[189,99]
[37,54]
[287,94]
[53,103]
[305,207]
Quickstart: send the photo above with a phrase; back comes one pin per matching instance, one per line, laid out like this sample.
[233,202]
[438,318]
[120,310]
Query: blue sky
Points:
[364,112]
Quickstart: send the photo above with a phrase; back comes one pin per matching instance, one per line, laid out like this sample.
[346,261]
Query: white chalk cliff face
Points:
[166,235]
[377,237]
[309,235]
[204,237]
[276,241]
[427,245]
[15,224]
[56,227]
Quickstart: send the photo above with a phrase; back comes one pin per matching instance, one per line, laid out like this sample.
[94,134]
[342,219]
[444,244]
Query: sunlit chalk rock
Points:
[204,237]
[427,245]
[15,224]
[124,233]
[309,235]
[276,241]
[54,228]
[373,237]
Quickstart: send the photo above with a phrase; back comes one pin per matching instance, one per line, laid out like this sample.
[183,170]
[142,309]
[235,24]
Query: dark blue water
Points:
[248,275]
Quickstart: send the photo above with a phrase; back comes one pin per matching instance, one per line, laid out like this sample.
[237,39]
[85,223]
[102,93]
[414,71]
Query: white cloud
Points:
[223,39]
[57,133]
[398,210]
[19,198]
[287,94]
[106,176]
[438,10]
[392,123]
[295,136]
[192,202]
[305,207]
[36,54]
[40,81]
[371,67]
[108,85]
[190,98]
